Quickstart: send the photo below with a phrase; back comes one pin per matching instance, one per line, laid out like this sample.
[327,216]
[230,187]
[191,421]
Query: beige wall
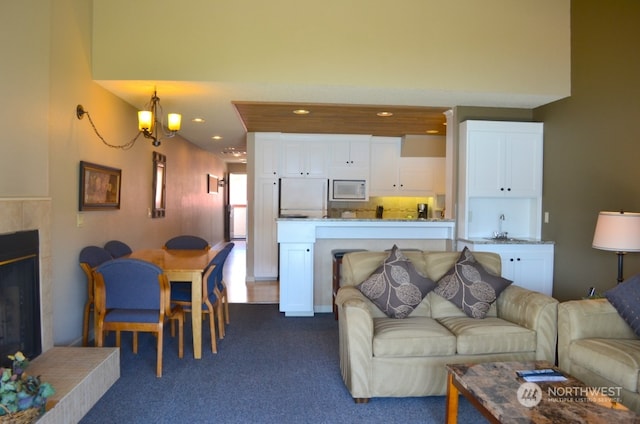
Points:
[431,45]
[48,72]
[592,145]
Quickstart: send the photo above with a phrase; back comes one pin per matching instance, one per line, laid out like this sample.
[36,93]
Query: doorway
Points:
[237,206]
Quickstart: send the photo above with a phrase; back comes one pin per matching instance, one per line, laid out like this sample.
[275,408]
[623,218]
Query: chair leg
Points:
[226,305]
[85,324]
[135,342]
[220,317]
[159,360]
[212,329]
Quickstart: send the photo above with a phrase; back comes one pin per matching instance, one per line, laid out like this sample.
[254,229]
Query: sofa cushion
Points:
[616,360]
[625,297]
[470,287]
[413,336]
[490,335]
[396,287]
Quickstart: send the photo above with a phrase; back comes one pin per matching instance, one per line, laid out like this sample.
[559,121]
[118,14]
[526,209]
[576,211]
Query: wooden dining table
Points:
[184,266]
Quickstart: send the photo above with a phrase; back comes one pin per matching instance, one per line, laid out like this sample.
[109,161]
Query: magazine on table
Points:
[545,374]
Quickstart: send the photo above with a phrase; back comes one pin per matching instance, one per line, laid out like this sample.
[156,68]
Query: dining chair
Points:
[222,285]
[134,295]
[117,248]
[89,258]
[212,303]
[187,242]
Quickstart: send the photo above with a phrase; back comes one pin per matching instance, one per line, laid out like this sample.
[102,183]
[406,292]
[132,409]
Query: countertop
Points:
[383,220]
[515,240]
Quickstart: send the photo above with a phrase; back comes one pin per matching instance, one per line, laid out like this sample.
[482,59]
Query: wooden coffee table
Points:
[493,388]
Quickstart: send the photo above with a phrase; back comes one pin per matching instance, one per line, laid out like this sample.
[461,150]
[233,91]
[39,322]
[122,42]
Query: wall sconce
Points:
[148,123]
[618,232]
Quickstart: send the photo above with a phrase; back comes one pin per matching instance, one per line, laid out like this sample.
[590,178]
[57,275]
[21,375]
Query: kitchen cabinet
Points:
[503,159]
[349,157]
[267,157]
[296,279]
[304,156]
[393,175]
[265,245]
[500,175]
[527,265]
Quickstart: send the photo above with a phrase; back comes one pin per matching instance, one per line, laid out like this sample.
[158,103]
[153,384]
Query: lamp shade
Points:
[173,121]
[145,120]
[617,231]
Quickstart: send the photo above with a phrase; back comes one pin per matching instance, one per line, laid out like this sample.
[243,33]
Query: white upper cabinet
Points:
[304,156]
[267,147]
[503,159]
[393,175]
[349,157]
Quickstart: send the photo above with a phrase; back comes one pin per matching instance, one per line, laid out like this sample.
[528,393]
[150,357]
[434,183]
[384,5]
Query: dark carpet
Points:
[268,369]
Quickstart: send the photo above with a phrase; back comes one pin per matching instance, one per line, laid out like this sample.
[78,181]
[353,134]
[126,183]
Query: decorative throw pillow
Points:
[396,287]
[625,297]
[471,287]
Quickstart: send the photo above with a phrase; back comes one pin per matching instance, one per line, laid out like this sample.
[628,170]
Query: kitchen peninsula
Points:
[305,252]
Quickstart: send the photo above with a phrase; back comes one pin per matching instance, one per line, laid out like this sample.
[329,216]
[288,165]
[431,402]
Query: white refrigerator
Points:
[303,197]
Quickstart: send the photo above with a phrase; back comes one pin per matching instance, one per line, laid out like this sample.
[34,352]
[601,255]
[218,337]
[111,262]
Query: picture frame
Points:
[212,184]
[159,203]
[99,187]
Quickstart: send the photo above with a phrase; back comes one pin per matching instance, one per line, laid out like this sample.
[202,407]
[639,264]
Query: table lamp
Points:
[618,232]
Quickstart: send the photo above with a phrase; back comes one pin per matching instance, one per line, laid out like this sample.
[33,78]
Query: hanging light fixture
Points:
[150,121]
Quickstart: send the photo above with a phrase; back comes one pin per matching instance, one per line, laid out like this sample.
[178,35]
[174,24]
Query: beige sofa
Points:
[386,357]
[598,347]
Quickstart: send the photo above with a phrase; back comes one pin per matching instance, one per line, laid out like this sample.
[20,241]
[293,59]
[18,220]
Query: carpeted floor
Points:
[269,369]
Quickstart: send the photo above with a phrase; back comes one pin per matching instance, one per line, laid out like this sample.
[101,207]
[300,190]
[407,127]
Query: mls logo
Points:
[529,394]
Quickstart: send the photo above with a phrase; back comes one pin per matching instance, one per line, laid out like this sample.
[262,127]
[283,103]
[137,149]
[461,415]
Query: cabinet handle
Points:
[509,189]
[501,188]
[308,250]
[511,260]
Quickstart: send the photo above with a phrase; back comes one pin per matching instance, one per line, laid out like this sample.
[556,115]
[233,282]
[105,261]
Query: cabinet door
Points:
[485,164]
[533,271]
[296,278]
[316,160]
[293,159]
[359,153]
[385,160]
[265,245]
[415,177]
[267,147]
[524,164]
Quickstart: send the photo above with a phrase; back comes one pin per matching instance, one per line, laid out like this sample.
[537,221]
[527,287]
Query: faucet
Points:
[500,234]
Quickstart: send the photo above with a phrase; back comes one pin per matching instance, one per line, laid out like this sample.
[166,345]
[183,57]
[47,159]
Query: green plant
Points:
[19,391]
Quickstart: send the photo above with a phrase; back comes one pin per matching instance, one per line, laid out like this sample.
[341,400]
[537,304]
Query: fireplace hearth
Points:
[19,294]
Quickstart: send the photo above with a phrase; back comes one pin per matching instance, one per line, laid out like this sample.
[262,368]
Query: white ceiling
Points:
[213,102]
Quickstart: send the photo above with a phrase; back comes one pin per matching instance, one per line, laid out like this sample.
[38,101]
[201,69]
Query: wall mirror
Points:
[159,185]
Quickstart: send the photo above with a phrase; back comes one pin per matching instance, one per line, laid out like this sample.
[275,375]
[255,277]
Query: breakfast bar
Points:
[305,252]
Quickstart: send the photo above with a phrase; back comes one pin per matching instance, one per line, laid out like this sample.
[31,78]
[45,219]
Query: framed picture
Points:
[212,183]
[99,187]
[159,185]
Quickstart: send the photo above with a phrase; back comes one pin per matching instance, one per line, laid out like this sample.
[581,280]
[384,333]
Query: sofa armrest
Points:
[355,324]
[588,318]
[535,311]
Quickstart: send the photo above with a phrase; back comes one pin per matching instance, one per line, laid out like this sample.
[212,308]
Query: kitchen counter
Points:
[305,246]
[514,240]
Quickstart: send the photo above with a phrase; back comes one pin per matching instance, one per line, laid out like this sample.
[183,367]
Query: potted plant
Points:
[22,397]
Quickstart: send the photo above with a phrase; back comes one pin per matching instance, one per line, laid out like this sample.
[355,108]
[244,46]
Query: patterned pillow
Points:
[396,287]
[470,287]
[625,297]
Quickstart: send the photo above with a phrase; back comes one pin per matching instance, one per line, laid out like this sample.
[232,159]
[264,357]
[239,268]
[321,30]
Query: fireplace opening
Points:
[19,295]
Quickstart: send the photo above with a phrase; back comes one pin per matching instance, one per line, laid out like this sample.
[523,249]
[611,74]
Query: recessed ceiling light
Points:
[301,112]
[217,137]
[432,131]
[198,120]
[384,114]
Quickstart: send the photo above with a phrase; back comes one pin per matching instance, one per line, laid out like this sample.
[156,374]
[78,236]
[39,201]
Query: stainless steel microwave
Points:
[349,190]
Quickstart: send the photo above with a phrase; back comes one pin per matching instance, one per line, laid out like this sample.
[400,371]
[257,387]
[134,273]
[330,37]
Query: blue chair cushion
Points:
[133,315]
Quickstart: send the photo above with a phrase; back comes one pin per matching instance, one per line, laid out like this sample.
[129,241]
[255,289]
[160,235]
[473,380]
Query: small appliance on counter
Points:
[379,211]
[422,210]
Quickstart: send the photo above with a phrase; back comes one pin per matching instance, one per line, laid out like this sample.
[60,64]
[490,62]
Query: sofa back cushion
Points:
[358,266]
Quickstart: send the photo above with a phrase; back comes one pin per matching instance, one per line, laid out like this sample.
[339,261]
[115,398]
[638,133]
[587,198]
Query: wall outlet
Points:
[79,220]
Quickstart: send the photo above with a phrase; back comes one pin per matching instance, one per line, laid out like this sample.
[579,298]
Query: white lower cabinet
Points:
[527,265]
[296,279]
